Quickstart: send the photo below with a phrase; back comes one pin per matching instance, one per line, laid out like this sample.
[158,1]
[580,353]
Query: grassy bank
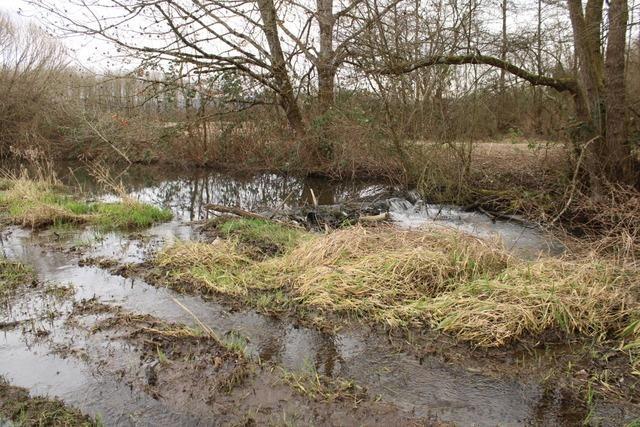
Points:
[22,409]
[438,279]
[43,203]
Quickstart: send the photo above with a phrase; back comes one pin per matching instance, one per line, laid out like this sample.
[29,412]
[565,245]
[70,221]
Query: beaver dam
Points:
[321,303]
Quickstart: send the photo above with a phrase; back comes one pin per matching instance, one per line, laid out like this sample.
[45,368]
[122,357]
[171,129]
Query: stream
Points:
[427,387]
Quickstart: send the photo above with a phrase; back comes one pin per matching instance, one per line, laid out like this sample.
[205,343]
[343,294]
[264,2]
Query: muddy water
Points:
[428,387]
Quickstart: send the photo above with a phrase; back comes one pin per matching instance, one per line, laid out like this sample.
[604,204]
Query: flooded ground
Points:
[90,336]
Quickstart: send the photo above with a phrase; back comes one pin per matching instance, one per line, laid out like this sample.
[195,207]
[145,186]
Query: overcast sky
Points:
[90,53]
[98,55]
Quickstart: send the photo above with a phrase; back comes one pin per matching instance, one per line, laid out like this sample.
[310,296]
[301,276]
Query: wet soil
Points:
[16,405]
[191,372]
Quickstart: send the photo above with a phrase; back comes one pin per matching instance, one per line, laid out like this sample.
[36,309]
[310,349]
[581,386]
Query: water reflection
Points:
[185,193]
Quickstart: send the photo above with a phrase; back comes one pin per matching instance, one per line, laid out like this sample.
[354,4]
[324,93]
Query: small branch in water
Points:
[236,211]
[204,327]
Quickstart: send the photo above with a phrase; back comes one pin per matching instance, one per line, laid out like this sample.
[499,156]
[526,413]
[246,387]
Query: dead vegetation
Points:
[435,278]
[609,224]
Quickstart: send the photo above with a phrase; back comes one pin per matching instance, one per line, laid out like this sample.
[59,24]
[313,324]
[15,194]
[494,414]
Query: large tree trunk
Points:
[286,94]
[586,34]
[326,88]
[600,103]
[616,153]
[326,56]
[503,46]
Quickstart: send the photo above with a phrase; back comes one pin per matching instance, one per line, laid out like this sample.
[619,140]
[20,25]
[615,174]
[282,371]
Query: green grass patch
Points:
[41,204]
[266,236]
[129,215]
[24,410]
[12,276]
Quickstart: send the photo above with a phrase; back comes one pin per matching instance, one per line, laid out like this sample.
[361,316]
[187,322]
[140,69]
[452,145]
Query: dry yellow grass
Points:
[212,267]
[377,272]
[430,278]
[588,297]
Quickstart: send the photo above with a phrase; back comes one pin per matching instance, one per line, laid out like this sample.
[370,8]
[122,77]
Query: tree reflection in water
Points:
[185,192]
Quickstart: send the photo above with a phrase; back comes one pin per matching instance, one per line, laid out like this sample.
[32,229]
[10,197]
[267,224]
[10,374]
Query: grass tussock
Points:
[12,276]
[205,267]
[128,214]
[431,278]
[588,297]
[17,406]
[378,273]
[267,237]
[42,203]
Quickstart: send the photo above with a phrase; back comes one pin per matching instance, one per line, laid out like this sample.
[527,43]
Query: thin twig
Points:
[97,132]
[204,327]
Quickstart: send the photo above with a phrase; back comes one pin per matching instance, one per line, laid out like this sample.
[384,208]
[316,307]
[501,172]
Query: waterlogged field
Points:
[148,310]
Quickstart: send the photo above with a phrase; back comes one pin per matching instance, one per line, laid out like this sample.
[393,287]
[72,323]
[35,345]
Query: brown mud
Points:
[190,371]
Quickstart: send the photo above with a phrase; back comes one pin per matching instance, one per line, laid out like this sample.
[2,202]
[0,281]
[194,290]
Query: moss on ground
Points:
[40,204]
[431,278]
[24,410]
[12,276]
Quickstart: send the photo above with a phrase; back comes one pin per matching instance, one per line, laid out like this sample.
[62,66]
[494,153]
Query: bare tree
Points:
[338,23]
[208,36]
[598,90]
[31,68]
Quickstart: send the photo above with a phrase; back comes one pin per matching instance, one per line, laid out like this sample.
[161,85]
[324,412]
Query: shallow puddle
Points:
[35,367]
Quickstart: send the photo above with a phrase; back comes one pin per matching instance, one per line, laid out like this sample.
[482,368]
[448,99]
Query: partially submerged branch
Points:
[235,211]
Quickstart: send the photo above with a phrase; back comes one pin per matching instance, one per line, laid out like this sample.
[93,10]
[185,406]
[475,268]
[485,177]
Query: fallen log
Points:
[236,211]
[322,216]
[248,214]
[374,218]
